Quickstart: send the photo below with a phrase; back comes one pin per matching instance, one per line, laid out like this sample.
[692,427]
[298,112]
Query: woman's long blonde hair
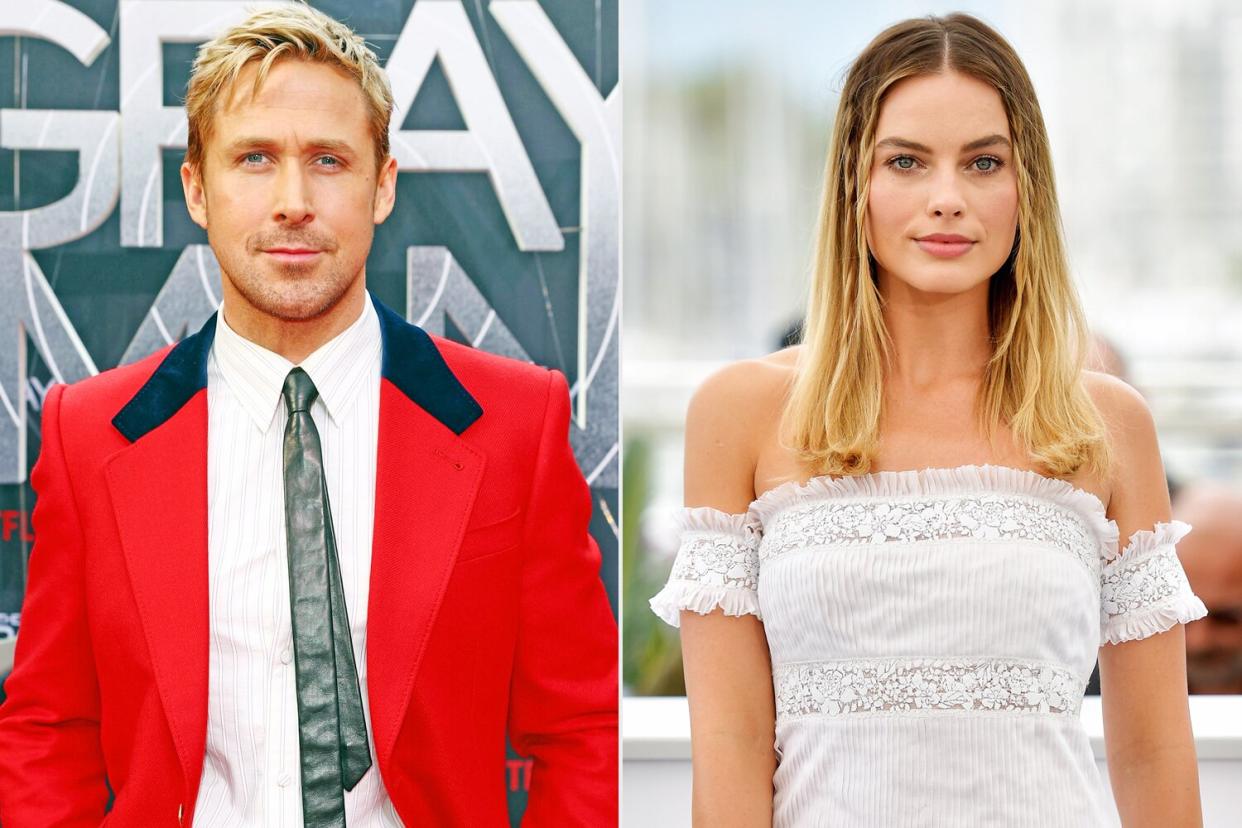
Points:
[1032,381]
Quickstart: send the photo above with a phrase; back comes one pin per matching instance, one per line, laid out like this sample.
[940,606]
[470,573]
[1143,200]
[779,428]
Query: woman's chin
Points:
[938,280]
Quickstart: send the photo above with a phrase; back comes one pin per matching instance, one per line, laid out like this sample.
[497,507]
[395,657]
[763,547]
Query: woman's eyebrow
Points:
[988,141]
[902,143]
[978,143]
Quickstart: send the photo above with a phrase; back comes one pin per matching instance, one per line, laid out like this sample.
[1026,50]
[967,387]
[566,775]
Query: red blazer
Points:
[486,611]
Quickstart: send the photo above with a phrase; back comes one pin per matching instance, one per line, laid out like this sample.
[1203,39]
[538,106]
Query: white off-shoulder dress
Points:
[932,633]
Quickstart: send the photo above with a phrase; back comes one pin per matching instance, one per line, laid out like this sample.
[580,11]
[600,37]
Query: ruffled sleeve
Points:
[717,565]
[1144,591]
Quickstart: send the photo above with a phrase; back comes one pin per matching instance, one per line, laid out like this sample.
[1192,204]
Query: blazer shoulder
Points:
[474,365]
[517,397]
[105,393]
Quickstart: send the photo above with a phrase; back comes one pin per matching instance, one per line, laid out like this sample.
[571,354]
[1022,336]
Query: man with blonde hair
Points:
[309,565]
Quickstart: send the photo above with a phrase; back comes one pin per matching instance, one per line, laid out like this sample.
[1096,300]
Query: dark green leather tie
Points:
[331,729]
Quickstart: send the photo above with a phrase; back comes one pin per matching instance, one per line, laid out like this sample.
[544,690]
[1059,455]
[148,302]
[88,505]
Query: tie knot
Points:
[299,392]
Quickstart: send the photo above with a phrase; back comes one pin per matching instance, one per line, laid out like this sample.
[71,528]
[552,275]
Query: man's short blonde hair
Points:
[292,31]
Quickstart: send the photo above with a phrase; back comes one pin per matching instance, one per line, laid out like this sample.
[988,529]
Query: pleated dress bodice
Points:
[931,636]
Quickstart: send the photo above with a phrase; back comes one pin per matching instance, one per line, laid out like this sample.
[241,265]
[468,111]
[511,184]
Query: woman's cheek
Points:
[884,217]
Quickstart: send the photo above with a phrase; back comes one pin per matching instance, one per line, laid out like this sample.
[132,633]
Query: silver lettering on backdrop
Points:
[490,143]
[191,294]
[93,136]
[62,24]
[596,124]
[129,163]
[28,306]
[438,289]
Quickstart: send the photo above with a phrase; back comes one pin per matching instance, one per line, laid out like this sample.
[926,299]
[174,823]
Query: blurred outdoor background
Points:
[728,114]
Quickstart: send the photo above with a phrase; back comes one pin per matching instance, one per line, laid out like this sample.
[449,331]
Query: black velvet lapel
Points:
[412,362]
[181,375]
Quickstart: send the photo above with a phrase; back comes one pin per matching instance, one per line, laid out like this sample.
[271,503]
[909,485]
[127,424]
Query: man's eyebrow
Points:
[332,144]
[978,143]
[259,142]
[249,142]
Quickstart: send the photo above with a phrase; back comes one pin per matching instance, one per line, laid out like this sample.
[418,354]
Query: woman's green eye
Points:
[903,162]
[987,164]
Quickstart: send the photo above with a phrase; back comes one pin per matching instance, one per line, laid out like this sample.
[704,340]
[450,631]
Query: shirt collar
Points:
[338,368]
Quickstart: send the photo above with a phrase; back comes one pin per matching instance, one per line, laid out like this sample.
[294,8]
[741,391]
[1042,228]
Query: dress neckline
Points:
[939,482]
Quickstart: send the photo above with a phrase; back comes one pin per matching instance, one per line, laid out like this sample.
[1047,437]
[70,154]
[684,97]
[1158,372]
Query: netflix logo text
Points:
[15,526]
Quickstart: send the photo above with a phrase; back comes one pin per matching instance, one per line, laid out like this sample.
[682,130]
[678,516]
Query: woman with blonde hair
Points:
[900,556]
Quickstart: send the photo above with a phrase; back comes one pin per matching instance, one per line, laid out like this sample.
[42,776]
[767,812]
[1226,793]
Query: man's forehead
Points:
[294,86]
[299,104]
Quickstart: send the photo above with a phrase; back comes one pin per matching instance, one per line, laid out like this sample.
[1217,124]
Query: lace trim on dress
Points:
[897,686]
[994,482]
[1143,590]
[983,517]
[717,565]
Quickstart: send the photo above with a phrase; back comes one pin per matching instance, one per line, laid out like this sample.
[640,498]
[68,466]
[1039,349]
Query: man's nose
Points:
[292,204]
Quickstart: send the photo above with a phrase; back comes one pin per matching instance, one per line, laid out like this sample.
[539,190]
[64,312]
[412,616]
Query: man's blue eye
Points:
[333,161]
[254,158]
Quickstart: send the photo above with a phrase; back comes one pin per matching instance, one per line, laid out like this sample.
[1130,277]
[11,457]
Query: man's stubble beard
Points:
[290,292]
[297,299]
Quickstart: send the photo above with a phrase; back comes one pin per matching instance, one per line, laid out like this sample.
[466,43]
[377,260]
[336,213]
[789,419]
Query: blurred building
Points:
[1142,101]
[728,173]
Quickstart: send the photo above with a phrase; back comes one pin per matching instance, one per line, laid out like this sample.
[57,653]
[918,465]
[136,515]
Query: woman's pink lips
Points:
[944,247]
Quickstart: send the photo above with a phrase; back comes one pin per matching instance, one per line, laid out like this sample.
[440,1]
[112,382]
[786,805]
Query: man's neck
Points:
[294,340]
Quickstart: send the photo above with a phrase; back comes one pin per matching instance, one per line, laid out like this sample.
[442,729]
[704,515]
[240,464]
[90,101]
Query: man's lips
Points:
[944,245]
[292,255]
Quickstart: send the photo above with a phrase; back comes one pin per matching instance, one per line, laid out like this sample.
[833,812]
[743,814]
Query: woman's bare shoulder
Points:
[732,415]
[748,387]
[1130,427]
[1126,414]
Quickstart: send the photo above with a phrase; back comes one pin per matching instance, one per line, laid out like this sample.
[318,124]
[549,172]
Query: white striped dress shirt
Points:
[251,772]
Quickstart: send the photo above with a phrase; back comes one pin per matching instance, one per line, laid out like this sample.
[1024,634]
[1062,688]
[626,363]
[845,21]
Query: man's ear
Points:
[385,190]
[195,195]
